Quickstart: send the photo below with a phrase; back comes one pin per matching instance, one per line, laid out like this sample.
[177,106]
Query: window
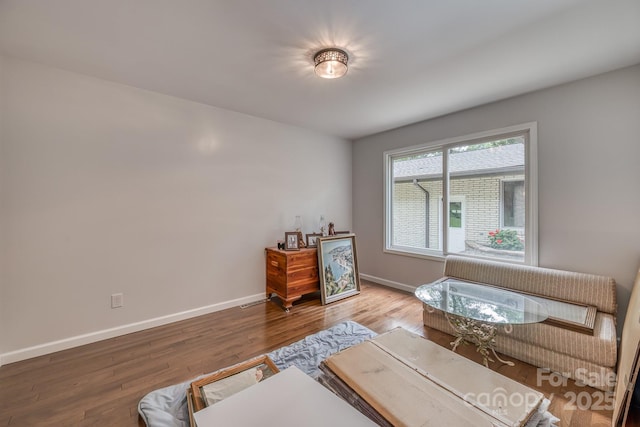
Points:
[513,204]
[474,195]
[455,215]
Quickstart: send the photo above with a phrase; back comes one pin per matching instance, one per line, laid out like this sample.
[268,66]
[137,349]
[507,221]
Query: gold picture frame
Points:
[190,406]
[228,381]
[338,267]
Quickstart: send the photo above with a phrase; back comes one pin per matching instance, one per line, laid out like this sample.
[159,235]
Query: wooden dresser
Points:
[291,274]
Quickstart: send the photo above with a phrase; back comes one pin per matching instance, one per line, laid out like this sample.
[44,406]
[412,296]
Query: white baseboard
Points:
[63,344]
[388,283]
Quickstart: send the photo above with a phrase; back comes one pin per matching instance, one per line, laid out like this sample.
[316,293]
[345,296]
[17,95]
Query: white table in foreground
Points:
[288,398]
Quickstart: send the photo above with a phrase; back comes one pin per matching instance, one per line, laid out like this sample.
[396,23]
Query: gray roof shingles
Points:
[470,162]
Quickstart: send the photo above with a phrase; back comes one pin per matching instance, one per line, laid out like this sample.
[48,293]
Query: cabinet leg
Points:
[288,302]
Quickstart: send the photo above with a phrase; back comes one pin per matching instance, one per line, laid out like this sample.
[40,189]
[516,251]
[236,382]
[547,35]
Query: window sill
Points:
[431,257]
[442,258]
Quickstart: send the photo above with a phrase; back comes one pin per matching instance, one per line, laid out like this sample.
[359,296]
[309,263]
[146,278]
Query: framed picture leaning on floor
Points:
[338,267]
[226,382]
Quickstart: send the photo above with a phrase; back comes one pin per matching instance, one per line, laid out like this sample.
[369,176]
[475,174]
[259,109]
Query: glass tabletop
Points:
[481,302]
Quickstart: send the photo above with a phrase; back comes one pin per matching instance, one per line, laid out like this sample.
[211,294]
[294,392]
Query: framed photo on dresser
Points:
[291,241]
[312,240]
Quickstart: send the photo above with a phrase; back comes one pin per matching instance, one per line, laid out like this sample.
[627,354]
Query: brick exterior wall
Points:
[409,207]
[482,201]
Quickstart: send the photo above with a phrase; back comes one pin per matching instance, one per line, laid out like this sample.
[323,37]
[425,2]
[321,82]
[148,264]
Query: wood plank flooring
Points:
[100,384]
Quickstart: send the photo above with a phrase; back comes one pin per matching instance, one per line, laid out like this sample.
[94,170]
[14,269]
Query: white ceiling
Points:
[410,60]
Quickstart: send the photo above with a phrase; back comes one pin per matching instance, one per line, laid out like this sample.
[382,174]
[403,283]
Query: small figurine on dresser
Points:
[332,230]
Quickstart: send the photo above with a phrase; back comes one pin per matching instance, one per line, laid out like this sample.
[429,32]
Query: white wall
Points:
[109,188]
[589,179]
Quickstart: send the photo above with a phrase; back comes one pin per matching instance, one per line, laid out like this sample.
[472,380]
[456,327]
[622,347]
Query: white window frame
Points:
[531,182]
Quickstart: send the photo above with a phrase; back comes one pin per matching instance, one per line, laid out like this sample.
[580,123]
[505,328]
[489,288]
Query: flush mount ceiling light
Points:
[331,63]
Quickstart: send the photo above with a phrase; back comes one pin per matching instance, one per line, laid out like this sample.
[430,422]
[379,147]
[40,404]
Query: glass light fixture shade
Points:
[323,226]
[331,63]
[297,225]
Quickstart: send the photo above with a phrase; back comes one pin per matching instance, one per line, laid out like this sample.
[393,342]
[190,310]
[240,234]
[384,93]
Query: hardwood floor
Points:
[100,384]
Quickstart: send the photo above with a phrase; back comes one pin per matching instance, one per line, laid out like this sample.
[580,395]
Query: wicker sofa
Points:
[590,358]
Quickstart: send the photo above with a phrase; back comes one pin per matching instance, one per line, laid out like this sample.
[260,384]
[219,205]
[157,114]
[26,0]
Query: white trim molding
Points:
[66,343]
[388,283]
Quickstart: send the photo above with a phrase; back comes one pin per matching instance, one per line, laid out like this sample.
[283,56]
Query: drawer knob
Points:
[274,263]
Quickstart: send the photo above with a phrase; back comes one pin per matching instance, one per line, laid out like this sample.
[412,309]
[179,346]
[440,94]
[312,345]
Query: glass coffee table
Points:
[476,311]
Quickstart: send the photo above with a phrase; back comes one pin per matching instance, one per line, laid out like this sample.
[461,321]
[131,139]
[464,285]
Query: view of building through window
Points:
[486,210]
[513,204]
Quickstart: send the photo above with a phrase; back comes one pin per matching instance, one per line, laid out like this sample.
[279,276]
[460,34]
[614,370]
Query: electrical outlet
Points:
[117,300]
